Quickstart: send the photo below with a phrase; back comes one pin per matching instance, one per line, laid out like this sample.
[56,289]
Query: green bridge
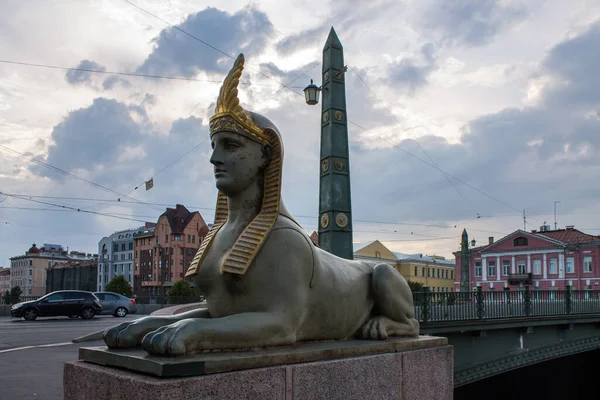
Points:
[495,332]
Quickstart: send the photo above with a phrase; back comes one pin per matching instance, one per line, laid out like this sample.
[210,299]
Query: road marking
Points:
[36,346]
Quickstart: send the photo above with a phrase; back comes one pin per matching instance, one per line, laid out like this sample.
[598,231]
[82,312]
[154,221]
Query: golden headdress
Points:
[230,116]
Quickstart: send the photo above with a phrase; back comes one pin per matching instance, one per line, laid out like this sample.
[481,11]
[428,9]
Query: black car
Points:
[70,303]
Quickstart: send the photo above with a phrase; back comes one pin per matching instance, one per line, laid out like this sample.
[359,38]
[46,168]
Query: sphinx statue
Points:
[265,281]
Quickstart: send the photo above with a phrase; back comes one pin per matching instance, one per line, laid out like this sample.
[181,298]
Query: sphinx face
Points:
[238,162]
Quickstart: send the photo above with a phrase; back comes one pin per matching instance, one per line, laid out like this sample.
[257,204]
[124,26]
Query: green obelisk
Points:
[464,262]
[335,210]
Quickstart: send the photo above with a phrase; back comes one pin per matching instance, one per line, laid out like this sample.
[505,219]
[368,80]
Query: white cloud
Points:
[494,105]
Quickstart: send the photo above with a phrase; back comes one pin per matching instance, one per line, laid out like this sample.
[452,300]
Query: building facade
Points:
[434,272]
[116,256]
[4,280]
[29,271]
[72,275]
[163,254]
[542,260]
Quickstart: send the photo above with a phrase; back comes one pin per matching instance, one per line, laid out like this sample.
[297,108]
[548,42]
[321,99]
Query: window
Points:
[189,238]
[505,267]
[537,267]
[193,238]
[416,271]
[130,256]
[29,281]
[452,274]
[477,269]
[520,241]
[553,266]
[149,240]
[570,265]
[166,238]
[521,268]
[438,273]
[491,268]
[177,238]
[130,247]
[429,272]
[122,246]
[423,272]
[587,264]
[115,268]
[181,251]
[30,272]
[115,247]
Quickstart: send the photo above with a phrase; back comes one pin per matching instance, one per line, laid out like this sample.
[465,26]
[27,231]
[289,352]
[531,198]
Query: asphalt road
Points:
[32,353]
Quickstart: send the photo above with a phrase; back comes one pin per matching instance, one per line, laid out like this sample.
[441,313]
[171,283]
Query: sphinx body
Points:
[265,281]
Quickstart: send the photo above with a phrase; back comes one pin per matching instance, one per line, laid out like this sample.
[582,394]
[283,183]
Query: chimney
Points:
[570,227]
[491,240]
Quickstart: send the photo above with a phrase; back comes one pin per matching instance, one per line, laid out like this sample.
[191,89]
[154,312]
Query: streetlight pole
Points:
[556,201]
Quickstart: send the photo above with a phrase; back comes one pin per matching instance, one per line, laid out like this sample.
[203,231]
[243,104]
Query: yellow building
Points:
[434,272]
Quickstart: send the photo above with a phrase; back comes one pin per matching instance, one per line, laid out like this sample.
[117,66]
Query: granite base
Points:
[417,374]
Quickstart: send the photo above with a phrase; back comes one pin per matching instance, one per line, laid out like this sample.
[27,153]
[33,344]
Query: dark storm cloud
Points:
[298,41]
[522,156]
[471,22]
[186,127]
[175,53]
[411,72]
[79,76]
[576,62]
[94,135]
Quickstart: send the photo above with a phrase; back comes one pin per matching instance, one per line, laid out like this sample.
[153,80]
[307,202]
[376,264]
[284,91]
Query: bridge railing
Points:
[476,305]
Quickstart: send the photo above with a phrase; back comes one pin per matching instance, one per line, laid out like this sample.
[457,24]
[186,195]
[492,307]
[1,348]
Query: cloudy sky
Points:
[463,113]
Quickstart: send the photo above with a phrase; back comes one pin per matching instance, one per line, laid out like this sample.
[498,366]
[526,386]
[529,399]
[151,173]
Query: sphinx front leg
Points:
[236,331]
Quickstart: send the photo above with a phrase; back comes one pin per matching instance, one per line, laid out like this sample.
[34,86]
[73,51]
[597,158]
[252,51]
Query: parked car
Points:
[116,304]
[70,303]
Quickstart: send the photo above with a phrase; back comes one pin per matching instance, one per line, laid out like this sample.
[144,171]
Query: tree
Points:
[6,297]
[15,295]
[415,286]
[181,291]
[119,284]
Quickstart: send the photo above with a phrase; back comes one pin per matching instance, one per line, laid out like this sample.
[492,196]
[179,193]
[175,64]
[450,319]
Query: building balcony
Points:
[519,278]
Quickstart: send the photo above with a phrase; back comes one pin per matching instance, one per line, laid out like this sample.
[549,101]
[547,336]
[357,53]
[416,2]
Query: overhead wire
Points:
[209,45]
[414,139]
[130,74]
[62,171]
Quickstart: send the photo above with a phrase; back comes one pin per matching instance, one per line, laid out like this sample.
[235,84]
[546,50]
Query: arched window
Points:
[520,241]
[377,254]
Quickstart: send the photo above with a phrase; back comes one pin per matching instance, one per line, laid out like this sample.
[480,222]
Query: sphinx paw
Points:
[374,329]
[166,341]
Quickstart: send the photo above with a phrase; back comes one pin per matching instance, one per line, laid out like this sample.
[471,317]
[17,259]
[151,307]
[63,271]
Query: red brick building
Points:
[163,253]
[544,260]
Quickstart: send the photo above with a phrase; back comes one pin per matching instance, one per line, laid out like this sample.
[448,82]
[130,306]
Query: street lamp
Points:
[311,92]
[473,242]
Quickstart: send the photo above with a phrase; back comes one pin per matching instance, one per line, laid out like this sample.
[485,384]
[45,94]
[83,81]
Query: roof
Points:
[178,217]
[74,264]
[569,236]
[360,245]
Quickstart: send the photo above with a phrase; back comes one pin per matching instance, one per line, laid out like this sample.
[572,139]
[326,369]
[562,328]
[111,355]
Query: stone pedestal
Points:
[410,369]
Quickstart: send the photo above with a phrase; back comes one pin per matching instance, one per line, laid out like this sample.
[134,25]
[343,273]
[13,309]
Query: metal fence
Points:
[459,306]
